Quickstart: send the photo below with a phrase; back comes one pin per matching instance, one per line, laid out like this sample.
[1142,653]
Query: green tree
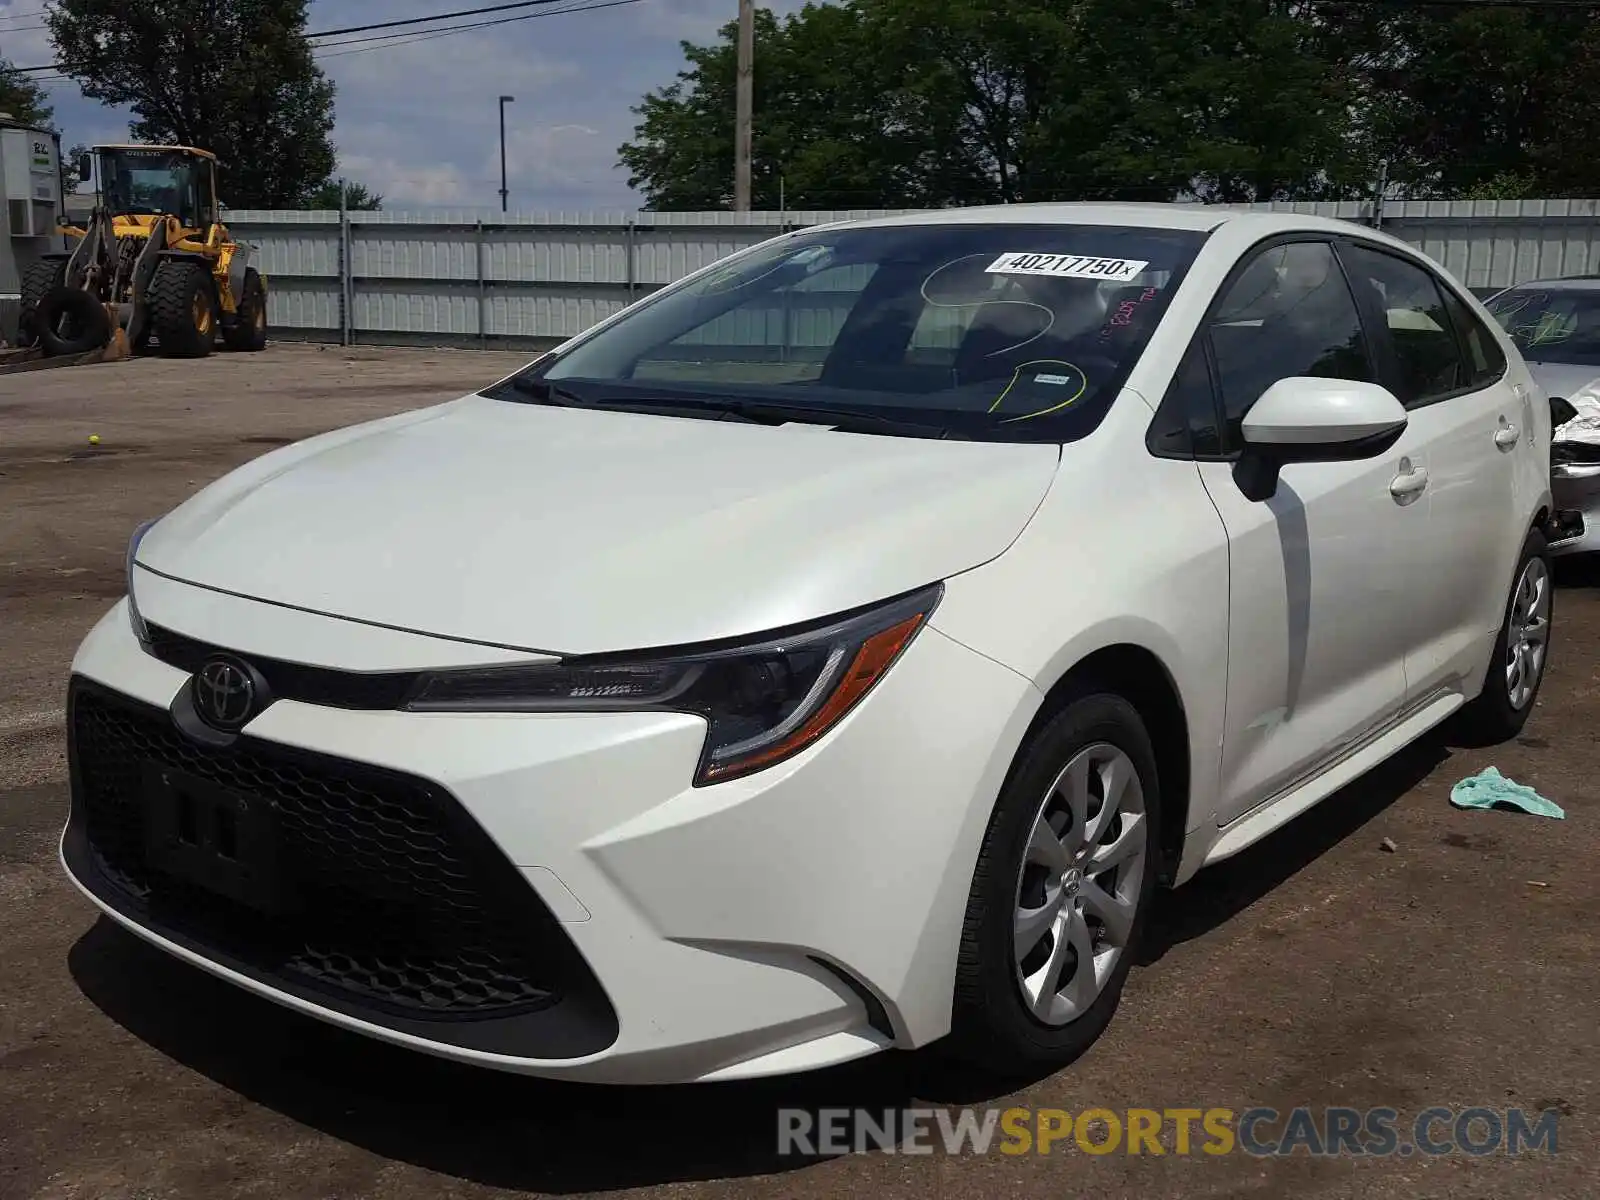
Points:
[1497,102]
[357,198]
[235,77]
[823,136]
[24,99]
[928,102]
[1234,101]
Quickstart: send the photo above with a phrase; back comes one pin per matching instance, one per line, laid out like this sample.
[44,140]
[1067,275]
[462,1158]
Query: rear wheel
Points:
[1064,879]
[38,279]
[1521,650]
[183,309]
[249,330]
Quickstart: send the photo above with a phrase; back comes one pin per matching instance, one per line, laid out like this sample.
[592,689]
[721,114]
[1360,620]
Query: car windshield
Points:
[1010,331]
[1552,324]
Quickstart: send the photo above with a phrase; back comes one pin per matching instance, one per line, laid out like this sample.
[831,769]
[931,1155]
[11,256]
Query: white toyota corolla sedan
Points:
[832,652]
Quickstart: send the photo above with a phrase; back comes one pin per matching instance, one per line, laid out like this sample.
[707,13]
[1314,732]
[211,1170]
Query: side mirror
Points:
[1314,420]
[85,167]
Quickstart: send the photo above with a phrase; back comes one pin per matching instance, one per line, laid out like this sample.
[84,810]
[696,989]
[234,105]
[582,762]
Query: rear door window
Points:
[1428,361]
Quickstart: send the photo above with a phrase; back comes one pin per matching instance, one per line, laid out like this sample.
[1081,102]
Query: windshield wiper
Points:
[763,412]
[544,392]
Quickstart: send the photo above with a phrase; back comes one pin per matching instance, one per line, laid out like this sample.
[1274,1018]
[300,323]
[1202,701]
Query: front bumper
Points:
[1575,489]
[797,918]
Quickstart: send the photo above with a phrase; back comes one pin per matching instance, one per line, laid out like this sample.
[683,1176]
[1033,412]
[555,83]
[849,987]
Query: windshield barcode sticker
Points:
[1068,266]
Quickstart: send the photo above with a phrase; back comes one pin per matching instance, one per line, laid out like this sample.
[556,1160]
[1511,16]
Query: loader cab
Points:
[136,181]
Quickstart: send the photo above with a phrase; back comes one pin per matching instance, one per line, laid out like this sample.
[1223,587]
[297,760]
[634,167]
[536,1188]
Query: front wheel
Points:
[1064,880]
[183,308]
[1521,649]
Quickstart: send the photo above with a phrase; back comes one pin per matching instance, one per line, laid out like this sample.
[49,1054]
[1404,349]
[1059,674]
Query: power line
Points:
[423,35]
[446,16]
[390,40]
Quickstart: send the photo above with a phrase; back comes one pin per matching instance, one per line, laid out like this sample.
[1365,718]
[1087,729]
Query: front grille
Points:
[400,901]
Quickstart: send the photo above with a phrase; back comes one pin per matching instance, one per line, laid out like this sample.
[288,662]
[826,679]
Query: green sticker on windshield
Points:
[1044,385]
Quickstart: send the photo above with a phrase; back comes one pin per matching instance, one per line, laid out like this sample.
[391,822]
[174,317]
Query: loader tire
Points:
[39,278]
[71,321]
[183,309]
[249,331]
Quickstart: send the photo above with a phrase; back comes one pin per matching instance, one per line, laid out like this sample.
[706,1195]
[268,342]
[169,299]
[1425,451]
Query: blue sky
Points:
[417,121]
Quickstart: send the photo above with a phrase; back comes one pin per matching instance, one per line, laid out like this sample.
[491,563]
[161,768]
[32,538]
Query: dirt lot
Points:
[1318,969]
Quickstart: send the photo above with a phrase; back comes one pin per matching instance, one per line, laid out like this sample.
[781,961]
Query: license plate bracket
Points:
[218,839]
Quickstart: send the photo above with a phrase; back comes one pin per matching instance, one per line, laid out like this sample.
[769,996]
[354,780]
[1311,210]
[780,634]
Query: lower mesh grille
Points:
[398,899]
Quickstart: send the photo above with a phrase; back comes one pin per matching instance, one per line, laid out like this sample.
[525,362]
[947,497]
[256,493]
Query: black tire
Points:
[1494,717]
[71,321]
[38,279]
[183,308]
[249,330]
[992,1028]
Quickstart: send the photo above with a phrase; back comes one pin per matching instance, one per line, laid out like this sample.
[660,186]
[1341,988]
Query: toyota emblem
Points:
[224,694]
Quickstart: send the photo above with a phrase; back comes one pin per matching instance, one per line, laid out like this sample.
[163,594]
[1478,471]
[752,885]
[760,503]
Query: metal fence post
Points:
[345,319]
[483,302]
[628,250]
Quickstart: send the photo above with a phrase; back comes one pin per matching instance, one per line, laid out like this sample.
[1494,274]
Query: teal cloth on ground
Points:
[1489,789]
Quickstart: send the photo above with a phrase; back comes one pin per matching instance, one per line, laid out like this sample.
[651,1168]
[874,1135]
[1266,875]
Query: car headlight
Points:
[139,629]
[763,701]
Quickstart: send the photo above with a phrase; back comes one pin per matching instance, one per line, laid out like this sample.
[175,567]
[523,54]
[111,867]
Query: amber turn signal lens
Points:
[872,659]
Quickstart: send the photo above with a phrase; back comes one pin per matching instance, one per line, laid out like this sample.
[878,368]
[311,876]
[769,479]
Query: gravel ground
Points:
[1320,968]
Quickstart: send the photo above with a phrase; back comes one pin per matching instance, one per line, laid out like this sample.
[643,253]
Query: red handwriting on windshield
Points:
[1125,310]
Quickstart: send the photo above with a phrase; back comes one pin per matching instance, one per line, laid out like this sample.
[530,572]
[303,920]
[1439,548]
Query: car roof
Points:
[1575,283]
[1201,218]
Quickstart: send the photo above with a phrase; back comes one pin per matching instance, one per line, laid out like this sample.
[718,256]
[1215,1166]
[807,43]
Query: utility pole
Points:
[744,103]
[504,100]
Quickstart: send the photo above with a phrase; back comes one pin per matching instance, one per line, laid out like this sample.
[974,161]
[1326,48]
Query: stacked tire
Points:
[38,279]
[59,319]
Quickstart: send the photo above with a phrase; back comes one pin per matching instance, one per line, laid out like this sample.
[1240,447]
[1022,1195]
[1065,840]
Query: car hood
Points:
[1561,379]
[566,531]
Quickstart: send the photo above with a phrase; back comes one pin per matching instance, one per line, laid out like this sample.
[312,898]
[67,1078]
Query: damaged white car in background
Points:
[1556,325]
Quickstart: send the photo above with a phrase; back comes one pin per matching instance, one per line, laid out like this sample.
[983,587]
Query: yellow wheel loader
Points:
[152,262]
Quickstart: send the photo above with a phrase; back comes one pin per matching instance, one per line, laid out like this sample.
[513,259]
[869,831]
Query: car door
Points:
[1471,425]
[1319,575]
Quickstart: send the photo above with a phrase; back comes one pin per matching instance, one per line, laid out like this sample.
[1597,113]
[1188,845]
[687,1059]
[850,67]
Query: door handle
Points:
[1506,436]
[1409,482]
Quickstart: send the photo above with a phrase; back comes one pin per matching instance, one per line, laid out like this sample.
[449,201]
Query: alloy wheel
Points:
[1079,887]
[1527,633]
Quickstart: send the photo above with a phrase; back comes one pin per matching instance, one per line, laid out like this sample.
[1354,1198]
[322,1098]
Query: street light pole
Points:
[504,100]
